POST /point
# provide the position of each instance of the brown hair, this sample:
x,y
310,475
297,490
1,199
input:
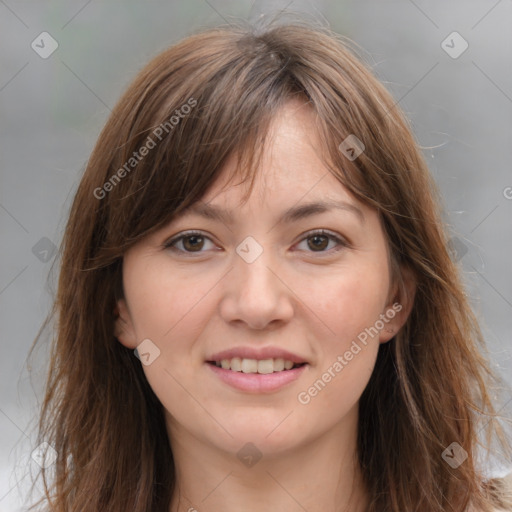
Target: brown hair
x,y
431,383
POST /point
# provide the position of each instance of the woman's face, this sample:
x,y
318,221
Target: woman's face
x,y
276,281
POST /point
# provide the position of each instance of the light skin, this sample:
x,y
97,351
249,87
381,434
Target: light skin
x,y
301,294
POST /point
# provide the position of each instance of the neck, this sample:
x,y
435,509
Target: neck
x,y
322,474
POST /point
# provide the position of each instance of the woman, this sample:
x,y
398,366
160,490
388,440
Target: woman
x,y
257,308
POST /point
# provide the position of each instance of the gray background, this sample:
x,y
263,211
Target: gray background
x,y
51,111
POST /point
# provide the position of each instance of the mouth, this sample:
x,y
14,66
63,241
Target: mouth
x,y
256,366
256,376
257,369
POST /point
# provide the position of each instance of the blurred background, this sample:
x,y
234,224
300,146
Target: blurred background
x,y
63,65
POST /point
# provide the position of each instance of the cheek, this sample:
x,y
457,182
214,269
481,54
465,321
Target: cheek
x,y
337,387
349,307
170,311
348,301
163,303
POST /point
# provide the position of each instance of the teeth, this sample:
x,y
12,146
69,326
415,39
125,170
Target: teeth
x,y
266,366
278,365
249,365
263,366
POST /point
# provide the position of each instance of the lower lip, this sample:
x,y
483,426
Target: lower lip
x,y
257,382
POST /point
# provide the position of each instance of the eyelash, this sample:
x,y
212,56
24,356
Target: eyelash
x,y
310,234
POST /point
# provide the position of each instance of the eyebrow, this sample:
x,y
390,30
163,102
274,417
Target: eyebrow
x,y
293,214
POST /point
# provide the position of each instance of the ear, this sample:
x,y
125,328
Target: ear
x,y
399,306
123,326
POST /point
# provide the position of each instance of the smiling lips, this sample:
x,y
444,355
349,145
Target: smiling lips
x,y
252,370
263,366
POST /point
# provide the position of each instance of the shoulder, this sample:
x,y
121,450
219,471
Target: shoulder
x,y
499,489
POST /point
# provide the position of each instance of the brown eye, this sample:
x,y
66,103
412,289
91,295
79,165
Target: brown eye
x,y
318,242
191,242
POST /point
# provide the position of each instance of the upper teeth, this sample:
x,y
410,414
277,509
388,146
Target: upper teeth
x,y
255,366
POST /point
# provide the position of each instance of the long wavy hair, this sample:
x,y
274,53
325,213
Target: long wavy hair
x,y
432,384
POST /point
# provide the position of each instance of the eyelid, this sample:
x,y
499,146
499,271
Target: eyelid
x,y
342,241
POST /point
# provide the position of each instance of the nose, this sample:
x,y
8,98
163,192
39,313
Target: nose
x,y
257,293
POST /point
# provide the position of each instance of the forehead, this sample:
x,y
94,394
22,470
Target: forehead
x,y
290,162
291,183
